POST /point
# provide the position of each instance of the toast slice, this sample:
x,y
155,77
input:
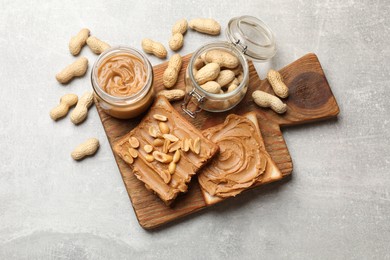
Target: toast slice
x,y
150,148
218,181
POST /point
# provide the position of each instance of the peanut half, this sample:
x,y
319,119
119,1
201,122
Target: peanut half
x,y
276,81
172,167
97,46
155,48
133,141
76,69
171,73
164,129
162,157
186,145
176,156
196,146
149,158
62,109
154,132
204,25
174,146
133,152
148,148
78,41
127,158
80,112
165,176
264,99
159,117
158,142
170,137
89,147
166,145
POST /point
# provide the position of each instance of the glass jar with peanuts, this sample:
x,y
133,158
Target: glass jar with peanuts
x,y
217,75
122,79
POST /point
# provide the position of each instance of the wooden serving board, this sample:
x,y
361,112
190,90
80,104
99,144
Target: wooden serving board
x,y
310,99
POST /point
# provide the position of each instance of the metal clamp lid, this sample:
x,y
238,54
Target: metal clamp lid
x,y
252,36
198,101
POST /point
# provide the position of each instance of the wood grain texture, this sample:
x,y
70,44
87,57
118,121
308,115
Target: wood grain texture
x,y
310,99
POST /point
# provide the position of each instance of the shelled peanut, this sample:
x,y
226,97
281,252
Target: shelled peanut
x,y
217,71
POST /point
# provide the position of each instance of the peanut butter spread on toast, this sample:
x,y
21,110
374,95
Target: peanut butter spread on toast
x,y
241,161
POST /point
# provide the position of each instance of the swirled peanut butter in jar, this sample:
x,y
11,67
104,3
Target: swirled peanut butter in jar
x,y
122,78
122,75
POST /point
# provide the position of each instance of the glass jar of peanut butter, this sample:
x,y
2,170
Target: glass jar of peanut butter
x,y
217,76
122,79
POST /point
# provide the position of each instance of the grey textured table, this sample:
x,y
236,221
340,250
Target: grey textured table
x,y
336,205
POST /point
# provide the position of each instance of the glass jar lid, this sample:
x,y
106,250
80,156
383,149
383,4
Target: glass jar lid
x,y
252,36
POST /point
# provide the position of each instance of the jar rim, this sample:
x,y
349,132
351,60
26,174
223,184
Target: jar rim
x,y
124,100
226,46
253,36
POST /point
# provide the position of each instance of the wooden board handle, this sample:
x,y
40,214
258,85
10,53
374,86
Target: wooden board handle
x,y
310,97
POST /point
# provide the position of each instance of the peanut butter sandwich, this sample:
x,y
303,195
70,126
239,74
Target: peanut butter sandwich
x,y
242,163
165,150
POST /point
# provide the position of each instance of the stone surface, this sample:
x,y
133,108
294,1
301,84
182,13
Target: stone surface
x,y
336,205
